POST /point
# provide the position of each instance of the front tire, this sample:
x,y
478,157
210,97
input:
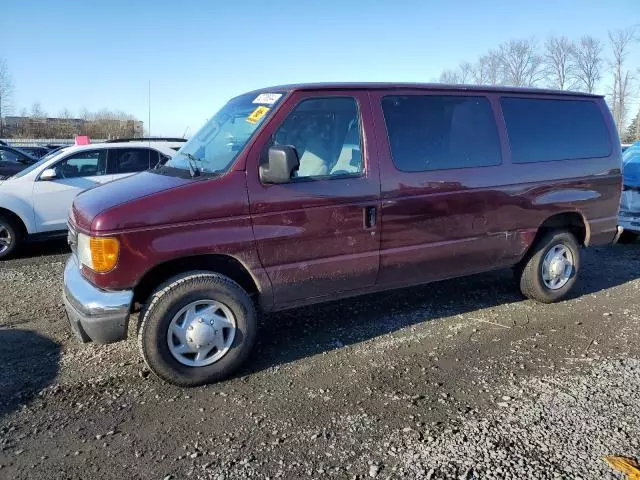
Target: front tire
x,y
197,328
10,238
551,270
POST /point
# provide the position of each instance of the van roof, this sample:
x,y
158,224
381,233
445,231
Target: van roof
x,y
420,86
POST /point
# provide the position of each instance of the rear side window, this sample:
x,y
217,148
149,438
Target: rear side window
x,y
547,130
131,160
428,132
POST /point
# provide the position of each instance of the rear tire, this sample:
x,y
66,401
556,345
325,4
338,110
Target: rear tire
x,y
10,237
157,336
543,260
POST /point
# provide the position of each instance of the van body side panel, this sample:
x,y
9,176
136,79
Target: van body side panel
x,y
446,223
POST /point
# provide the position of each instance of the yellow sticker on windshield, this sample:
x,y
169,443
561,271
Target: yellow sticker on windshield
x,y
257,114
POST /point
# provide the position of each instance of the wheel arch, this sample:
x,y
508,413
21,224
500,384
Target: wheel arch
x,y
218,263
19,221
572,221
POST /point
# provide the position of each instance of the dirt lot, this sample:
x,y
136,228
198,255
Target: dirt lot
x,y
460,379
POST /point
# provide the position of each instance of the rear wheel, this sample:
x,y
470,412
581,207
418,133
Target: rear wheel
x,y
198,328
550,271
10,237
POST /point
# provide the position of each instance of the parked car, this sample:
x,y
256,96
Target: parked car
x,y
624,146
36,152
302,194
34,203
13,160
630,200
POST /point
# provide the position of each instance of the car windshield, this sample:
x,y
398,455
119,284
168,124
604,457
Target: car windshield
x,y
214,148
44,159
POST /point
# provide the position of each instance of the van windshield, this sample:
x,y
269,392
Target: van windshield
x,y
214,148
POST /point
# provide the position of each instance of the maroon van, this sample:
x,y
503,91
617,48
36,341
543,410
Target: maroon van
x,y
301,194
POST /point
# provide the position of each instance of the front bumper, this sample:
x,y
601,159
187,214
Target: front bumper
x,y
95,315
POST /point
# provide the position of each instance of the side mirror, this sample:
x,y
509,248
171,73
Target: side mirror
x,y
48,174
283,160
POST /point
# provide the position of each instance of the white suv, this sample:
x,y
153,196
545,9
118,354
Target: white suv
x,y
34,203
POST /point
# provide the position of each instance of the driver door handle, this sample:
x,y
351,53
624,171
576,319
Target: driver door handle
x,y
369,217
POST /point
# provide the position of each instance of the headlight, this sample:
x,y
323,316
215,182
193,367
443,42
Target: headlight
x,y
100,254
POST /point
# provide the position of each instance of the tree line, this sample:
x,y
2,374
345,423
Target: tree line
x,y
36,122
563,64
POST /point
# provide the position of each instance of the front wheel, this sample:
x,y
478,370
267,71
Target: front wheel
x,y
9,238
198,328
550,271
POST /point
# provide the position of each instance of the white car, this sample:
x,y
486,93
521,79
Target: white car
x,y
34,203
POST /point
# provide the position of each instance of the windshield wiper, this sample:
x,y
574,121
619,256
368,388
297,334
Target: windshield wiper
x,y
193,164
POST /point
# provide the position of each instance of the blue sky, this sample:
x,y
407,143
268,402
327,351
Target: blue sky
x,y
198,54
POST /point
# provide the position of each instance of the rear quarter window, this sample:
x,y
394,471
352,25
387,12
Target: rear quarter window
x,y
545,130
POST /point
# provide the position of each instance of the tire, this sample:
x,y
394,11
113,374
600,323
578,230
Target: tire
x,y
9,230
164,307
530,275
628,237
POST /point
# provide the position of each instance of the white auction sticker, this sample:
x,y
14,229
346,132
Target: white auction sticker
x,y
267,98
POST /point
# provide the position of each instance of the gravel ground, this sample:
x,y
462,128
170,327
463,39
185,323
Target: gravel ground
x,y
460,379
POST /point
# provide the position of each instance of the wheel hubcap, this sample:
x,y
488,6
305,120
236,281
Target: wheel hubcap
x,y
5,239
557,267
201,333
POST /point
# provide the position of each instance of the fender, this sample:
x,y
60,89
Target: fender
x,y
20,207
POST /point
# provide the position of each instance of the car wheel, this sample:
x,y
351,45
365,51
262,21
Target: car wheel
x,y
550,271
10,238
198,328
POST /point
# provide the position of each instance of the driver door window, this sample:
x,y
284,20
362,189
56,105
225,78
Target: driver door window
x,y
326,135
90,163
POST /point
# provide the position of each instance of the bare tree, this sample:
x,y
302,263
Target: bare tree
x,y
37,111
621,41
6,93
450,76
66,127
465,72
558,65
65,113
521,66
486,70
587,63
108,124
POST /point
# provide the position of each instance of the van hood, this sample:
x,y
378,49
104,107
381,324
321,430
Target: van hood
x,y
90,203
150,200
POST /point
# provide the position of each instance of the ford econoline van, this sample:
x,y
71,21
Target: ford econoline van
x,y
300,194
